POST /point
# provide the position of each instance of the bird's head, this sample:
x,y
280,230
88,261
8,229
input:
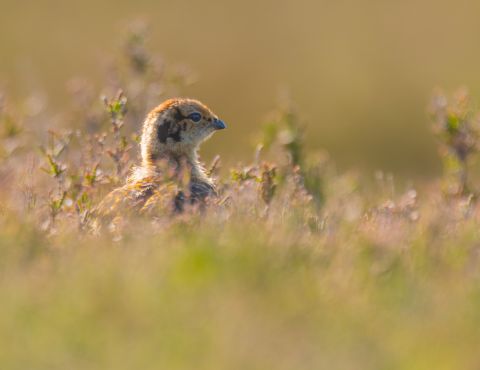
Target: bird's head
x,y
176,128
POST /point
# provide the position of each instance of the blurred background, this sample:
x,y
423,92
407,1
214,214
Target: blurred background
x,y
360,72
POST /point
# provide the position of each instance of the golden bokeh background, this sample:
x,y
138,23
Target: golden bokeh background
x,y
360,72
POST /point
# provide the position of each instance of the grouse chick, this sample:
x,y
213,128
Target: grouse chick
x,y
172,134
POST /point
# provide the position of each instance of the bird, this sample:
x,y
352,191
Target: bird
x,y
171,137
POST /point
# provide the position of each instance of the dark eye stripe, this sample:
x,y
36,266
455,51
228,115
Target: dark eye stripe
x,y
167,130
163,131
178,115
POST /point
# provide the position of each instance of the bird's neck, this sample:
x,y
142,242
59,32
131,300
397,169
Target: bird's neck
x,y
188,157
197,171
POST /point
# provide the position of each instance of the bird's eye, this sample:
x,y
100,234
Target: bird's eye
x,y
195,117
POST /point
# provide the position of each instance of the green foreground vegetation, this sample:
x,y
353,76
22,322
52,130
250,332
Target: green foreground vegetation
x,y
294,266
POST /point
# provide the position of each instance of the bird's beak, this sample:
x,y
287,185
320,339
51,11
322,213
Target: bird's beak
x,y
219,124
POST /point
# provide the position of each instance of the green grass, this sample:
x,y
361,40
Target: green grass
x,y
241,294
